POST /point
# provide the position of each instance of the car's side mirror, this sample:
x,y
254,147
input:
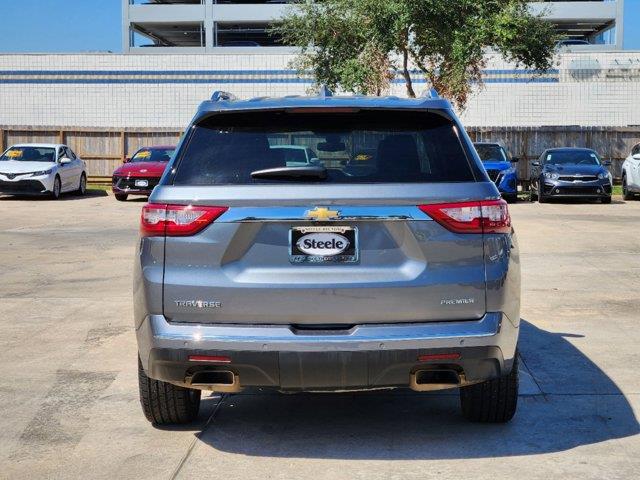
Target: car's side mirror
x,y
607,163
535,164
515,159
314,161
636,156
65,161
126,160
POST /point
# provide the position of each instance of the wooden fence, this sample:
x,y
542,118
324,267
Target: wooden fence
x,y
105,149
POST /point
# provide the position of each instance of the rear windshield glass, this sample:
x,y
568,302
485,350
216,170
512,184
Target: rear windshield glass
x,y
362,147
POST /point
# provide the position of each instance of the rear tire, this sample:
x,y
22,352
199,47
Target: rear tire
x,y
492,401
167,404
121,197
605,199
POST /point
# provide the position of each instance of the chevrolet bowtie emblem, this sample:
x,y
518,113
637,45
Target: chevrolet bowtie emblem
x,y
321,213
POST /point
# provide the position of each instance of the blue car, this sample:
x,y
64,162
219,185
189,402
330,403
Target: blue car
x,y
500,167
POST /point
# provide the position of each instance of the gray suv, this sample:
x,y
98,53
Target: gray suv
x,y
389,262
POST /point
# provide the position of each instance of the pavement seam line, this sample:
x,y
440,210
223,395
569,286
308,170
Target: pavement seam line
x,y
194,442
535,380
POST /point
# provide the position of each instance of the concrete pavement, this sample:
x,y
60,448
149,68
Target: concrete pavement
x,y
69,403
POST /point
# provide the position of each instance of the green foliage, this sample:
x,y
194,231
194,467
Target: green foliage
x,y
356,45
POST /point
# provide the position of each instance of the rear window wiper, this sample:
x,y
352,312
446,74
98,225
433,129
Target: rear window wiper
x,y
312,172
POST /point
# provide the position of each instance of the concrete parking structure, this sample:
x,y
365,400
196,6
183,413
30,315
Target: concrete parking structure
x,y
69,397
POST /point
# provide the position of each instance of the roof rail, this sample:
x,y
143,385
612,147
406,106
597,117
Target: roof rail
x,y
324,91
431,93
220,95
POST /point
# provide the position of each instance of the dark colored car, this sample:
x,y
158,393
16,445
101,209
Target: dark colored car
x,y
142,172
570,173
500,167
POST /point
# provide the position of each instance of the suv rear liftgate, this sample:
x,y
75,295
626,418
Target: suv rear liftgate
x,y
387,261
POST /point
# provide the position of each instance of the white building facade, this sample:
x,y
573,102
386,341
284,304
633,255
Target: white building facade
x,y
593,89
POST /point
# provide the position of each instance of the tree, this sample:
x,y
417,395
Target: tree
x,y
358,45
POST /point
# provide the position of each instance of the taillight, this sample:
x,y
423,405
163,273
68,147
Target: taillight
x,y
490,216
176,220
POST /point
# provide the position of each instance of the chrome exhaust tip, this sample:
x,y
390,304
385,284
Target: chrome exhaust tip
x,y
224,381
429,380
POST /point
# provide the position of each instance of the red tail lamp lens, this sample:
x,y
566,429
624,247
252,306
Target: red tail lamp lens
x,y
491,216
176,220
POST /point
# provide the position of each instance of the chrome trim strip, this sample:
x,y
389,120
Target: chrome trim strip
x,y
346,213
156,332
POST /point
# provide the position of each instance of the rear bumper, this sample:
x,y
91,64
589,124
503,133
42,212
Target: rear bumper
x,y
364,357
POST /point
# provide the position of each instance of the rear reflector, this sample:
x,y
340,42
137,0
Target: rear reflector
x,y
438,356
176,220
209,358
490,216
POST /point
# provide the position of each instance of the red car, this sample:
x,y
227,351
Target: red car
x,y
142,172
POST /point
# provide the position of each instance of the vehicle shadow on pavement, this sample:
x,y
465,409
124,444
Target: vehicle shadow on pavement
x,y
582,201
580,405
90,193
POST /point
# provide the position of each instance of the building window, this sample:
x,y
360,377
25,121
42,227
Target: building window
x,y
245,35
167,35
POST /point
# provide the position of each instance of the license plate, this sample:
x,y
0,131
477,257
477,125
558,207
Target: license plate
x,y
323,244
142,183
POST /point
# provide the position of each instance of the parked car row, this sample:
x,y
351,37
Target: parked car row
x,y
53,169
562,173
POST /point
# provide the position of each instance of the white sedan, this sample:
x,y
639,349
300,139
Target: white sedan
x,y
50,169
